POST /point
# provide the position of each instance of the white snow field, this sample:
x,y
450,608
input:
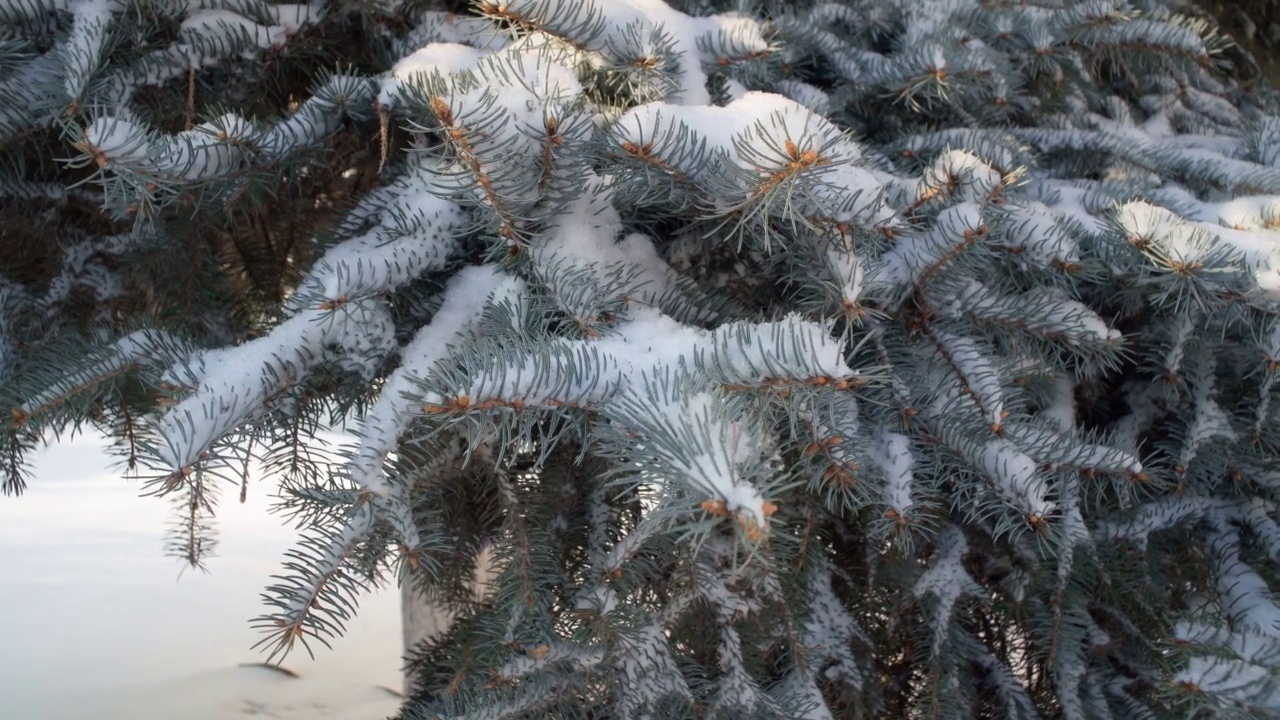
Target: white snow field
x,y
96,624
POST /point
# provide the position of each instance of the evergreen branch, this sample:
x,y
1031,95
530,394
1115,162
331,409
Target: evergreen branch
x,y
321,595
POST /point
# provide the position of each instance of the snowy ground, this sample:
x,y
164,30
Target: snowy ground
x,y
95,621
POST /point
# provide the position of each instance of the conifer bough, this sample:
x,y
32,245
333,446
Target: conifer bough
x,y
782,360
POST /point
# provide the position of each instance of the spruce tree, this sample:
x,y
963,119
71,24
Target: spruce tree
x,y
782,360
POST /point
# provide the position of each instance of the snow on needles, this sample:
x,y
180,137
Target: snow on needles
x,y
694,42
465,297
83,49
947,579
892,452
1016,477
336,317
435,58
741,353
1246,598
978,371
207,28
905,265
634,372
1040,235
1242,657
414,238
808,147
233,385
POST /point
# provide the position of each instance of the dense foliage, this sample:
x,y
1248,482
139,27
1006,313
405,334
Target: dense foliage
x,y
818,360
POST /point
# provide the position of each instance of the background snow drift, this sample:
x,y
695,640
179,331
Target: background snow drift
x,y
92,611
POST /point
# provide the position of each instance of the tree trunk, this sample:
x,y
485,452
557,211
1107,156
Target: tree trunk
x,y
422,619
